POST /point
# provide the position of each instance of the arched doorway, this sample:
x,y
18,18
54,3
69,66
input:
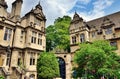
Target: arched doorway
x,y
32,76
62,67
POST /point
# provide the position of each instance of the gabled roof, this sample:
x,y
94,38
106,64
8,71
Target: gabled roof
x,y
37,12
111,19
76,17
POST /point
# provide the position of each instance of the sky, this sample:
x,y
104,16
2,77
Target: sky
x,y
87,9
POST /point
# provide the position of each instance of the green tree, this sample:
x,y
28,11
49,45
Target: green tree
x,y
57,35
97,59
1,77
47,66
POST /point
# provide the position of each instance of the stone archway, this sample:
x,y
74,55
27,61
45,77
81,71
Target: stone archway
x,y
32,76
62,67
66,61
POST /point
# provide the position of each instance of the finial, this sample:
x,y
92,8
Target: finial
x,y
75,11
39,2
32,9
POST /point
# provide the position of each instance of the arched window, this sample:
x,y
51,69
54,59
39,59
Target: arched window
x,y
32,76
62,67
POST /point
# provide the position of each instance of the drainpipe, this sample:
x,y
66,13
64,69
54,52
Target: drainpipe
x,y
12,45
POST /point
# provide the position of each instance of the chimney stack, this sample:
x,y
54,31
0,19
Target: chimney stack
x,y
16,10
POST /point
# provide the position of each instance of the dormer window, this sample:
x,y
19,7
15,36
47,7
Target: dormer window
x,y
108,30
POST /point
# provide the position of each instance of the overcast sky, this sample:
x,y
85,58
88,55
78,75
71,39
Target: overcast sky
x,y
88,9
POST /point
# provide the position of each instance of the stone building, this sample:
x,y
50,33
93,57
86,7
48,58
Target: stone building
x,y
104,28
21,40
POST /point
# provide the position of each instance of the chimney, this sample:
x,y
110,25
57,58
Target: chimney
x,y
3,8
16,10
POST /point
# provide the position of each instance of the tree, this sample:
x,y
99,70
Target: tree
x,y
47,66
57,35
1,77
97,59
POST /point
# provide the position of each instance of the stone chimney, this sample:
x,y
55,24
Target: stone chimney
x,y
16,10
3,8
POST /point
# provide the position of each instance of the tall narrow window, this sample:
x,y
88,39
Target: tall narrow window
x,y
73,39
8,59
82,38
20,58
39,39
93,34
21,36
22,33
7,34
108,31
32,58
33,38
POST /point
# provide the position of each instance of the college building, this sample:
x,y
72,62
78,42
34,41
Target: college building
x,y
104,28
22,39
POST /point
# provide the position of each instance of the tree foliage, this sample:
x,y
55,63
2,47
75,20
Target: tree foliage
x,y
1,77
57,35
96,60
47,66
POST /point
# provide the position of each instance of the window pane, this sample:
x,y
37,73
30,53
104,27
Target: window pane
x,y
31,39
33,61
82,38
39,41
30,61
93,34
19,61
74,39
108,31
7,34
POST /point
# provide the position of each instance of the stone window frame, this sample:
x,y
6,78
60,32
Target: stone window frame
x,y
20,58
108,31
34,37
8,59
74,40
39,39
21,35
7,34
32,58
82,37
93,34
